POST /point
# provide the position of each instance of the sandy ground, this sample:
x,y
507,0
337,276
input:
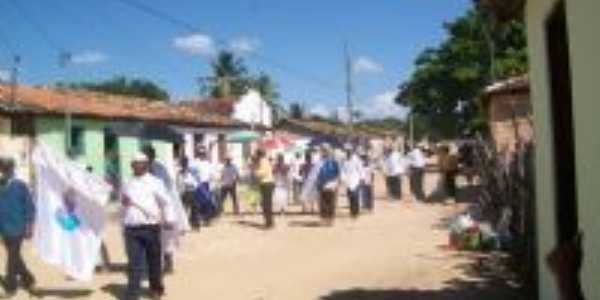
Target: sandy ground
x,y
397,252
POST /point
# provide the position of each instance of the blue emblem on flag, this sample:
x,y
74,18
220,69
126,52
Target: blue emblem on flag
x,y
65,216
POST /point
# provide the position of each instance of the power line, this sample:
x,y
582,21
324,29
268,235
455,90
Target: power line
x,y
191,28
36,26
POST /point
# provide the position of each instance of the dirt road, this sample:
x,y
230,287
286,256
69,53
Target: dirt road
x,y
397,252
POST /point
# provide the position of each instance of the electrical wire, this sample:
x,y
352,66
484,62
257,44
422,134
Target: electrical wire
x,y
191,28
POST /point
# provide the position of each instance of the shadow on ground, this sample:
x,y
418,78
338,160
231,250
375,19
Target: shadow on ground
x,y
484,277
61,293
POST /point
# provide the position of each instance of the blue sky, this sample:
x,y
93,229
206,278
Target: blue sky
x,y
299,43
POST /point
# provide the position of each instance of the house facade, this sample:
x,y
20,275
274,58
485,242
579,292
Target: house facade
x,y
102,132
563,50
507,105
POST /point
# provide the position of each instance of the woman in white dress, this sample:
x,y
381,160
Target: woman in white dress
x,y
281,172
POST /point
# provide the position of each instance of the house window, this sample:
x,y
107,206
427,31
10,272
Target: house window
x,y
77,147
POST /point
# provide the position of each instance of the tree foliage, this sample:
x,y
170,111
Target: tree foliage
x,y
448,78
297,111
231,78
121,85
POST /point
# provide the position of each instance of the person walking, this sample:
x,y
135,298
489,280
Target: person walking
x,y
204,172
170,237
368,178
352,172
308,195
229,180
297,178
264,174
281,194
17,213
417,163
393,168
146,209
449,167
327,185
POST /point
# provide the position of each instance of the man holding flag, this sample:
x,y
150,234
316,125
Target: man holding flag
x,y
146,210
16,222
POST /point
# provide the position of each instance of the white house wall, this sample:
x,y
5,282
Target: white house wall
x,y
537,12
583,21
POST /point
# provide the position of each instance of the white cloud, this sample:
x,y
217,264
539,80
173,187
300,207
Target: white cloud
x,y
244,45
88,58
365,64
383,105
4,75
196,44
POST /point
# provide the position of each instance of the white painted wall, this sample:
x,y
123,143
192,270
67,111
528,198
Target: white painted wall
x,y
536,14
582,16
253,109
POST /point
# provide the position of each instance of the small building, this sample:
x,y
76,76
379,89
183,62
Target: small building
x,y
250,109
508,108
105,130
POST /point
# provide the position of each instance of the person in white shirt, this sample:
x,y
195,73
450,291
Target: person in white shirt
x,y
352,171
368,177
394,167
229,179
296,173
146,209
204,172
417,169
172,236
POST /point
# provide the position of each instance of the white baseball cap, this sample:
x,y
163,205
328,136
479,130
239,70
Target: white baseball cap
x,y
140,157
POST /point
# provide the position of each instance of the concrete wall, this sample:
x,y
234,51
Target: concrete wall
x,y
536,14
51,131
128,147
583,24
510,120
582,16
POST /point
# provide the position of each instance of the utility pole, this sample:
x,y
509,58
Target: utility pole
x,y
349,88
64,59
14,77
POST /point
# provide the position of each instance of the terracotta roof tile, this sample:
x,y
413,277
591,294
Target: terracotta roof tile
x,y
105,106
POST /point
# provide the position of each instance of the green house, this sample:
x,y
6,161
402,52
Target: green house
x,y
101,132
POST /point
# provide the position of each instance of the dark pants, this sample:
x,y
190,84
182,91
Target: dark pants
x,y
416,183
15,266
266,192
143,247
230,191
327,203
450,178
394,187
367,196
353,200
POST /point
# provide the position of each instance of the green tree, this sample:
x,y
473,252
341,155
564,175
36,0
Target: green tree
x,y
447,79
266,87
297,111
121,85
230,76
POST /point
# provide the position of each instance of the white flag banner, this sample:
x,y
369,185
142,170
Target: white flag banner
x,y
70,215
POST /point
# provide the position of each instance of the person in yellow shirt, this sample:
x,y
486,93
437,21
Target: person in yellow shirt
x,y
264,174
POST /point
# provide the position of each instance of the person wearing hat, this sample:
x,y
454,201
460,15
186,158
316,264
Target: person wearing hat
x,y
368,178
327,184
17,213
146,210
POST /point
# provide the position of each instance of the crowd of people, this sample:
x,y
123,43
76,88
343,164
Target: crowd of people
x,y
157,208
